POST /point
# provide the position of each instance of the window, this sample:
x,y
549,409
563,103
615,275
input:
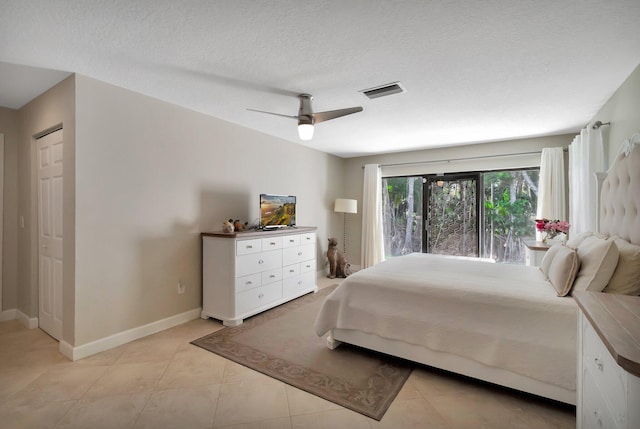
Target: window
x,y
486,214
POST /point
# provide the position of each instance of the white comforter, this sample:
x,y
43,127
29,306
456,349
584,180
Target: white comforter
x,y
504,316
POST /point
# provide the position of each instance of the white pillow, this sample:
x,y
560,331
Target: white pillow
x,y
626,277
598,259
563,270
574,242
548,257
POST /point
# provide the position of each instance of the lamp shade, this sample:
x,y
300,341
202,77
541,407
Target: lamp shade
x,y
344,205
305,131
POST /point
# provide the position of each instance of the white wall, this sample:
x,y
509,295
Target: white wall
x,y
623,111
150,176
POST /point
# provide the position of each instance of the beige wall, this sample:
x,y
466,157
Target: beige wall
x,y
623,111
150,177
9,127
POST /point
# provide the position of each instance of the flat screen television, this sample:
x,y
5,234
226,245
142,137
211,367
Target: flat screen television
x,y
277,211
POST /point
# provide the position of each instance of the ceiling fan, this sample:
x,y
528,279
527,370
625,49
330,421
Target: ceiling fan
x,y
307,118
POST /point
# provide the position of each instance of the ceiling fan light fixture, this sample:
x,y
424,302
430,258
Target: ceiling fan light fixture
x,y
305,131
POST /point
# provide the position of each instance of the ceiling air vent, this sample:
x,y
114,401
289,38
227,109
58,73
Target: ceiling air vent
x,y
383,90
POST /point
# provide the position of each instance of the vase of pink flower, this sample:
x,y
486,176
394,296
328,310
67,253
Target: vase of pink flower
x,y
550,229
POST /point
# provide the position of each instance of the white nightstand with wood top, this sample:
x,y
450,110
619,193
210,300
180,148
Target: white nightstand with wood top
x,y
608,379
534,252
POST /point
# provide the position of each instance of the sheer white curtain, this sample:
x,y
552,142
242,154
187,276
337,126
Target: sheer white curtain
x,y
372,235
552,201
586,157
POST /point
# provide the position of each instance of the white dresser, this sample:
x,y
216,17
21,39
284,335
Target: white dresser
x,y
608,361
244,273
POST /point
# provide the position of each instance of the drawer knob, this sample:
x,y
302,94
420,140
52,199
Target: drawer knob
x,y
308,266
300,282
261,296
291,241
598,363
249,246
248,282
272,243
261,261
272,276
597,415
299,253
292,271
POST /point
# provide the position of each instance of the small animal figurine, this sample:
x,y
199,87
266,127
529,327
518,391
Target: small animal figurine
x,y
227,226
338,265
239,226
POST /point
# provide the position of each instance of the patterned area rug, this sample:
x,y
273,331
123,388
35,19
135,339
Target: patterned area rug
x,y
282,344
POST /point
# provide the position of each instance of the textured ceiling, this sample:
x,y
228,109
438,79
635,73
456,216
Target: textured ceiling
x,y
474,71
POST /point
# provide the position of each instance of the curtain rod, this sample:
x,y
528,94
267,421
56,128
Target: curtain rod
x,y
463,159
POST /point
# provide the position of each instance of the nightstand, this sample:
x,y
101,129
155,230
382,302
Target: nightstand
x,y
534,252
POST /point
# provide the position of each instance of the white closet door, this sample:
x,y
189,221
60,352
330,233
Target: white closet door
x,y
49,159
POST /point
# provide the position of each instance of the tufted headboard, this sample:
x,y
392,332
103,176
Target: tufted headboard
x,y
620,194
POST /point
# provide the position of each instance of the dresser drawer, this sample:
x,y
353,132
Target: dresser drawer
x,y
309,265
595,414
290,271
299,254
245,247
291,241
271,243
271,276
298,284
258,262
248,282
255,298
309,238
607,375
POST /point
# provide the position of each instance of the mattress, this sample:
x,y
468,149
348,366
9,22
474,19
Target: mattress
x,y
500,315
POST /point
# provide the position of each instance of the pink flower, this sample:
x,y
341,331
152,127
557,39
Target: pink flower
x,y
552,227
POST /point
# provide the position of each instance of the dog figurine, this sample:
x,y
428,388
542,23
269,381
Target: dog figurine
x,y
227,227
338,265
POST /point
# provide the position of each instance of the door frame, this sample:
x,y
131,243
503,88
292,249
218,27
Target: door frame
x,y
33,322
1,219
430,178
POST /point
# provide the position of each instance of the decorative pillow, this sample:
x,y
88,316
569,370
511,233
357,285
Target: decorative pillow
x,y
548,257
574,242
598,259
563,270
626,277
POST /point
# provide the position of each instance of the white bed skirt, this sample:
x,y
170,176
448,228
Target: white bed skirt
x,y
452,363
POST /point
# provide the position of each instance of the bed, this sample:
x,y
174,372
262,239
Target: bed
x,y
510,325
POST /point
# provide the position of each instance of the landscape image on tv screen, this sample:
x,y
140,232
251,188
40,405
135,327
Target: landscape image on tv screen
x,y
277,210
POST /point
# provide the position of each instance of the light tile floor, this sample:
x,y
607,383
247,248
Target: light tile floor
x,y
162,381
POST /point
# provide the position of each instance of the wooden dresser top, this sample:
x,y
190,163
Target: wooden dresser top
x,y
257,233
616,319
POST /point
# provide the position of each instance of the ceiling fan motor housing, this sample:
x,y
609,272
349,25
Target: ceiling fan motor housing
x,y
305,114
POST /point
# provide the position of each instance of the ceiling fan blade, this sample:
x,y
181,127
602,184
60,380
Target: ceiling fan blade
x,y
332,114
276,114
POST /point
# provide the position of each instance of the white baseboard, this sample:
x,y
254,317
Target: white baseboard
x,y
8,315
29,322
115,340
